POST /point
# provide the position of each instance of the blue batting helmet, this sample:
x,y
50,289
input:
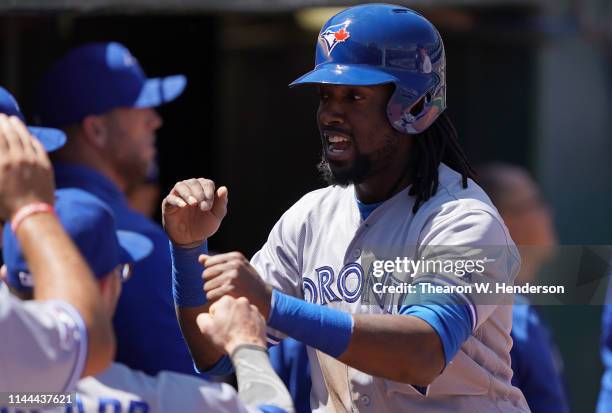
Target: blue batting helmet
x,y
374,44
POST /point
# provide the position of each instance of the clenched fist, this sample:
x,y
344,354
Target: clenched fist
x,y
232,274
231,322
193,211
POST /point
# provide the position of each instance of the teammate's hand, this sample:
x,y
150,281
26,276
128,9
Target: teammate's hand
x,y
232,274
26,175
231,322
193,211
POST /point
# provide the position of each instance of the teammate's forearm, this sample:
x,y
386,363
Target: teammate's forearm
x,y
258,383
203,352
61,273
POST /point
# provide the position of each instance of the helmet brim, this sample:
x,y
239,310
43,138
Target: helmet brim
x,y
361,75
342,74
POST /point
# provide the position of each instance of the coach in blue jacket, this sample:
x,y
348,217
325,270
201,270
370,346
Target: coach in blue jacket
x,y
99,95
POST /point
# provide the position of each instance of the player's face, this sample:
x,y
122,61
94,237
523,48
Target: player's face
x,y
358,141
131,138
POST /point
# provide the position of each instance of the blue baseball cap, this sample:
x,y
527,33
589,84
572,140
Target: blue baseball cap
x,y
91,225
95,78
51,139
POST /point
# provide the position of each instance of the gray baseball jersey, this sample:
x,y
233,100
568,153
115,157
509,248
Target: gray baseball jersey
x,y
322,251
120,389
44,345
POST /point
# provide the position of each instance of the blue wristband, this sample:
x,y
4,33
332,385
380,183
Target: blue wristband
x,y
323,328
187,282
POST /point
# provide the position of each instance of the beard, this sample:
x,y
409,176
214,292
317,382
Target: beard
x,y
355,173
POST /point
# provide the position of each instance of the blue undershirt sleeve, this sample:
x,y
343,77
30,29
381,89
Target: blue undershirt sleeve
x,y
448,315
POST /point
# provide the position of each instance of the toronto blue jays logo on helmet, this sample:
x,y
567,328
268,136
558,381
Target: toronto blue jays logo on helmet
x,y
334,35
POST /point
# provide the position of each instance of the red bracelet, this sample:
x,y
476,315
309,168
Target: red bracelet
x,y
30,210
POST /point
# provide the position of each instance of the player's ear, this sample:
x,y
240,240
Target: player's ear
x,y
110,289
106,286
95,130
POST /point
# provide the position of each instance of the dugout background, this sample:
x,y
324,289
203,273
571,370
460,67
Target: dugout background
x,y
528,82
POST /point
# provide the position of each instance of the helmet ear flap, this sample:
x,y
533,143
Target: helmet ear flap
x,y
410,116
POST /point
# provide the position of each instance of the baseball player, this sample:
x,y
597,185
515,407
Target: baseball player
x,y
233,324
49,343
100,96
401,187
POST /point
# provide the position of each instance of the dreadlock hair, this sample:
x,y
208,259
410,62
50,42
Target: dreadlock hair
x,y
439,143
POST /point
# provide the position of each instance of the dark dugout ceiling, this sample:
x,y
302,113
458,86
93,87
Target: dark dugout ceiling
x,y
174,6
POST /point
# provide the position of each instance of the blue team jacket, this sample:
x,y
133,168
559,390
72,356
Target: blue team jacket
x,y
535,361
148,335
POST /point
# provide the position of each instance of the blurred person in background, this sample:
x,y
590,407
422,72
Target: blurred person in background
x,y
536,362
47,344
145,198
100,96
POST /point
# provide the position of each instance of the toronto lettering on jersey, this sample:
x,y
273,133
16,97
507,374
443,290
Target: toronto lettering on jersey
x,y
348,285
351,284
